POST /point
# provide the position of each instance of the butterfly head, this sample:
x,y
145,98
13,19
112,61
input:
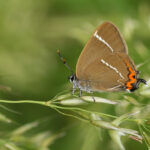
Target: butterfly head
x,y
72,78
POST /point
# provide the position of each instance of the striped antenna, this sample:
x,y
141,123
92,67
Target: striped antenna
x,y
64,61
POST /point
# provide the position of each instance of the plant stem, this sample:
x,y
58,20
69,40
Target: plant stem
x,y
23,101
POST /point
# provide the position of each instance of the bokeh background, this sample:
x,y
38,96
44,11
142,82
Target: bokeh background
x,y
30,33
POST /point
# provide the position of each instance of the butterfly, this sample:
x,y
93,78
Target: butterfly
x,y
104,63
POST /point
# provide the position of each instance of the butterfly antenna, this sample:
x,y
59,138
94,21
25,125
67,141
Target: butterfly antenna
x,y
64,61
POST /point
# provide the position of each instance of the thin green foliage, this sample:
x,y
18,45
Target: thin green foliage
x,y
100,120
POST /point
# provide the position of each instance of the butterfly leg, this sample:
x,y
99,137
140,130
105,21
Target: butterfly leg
x,y
73,89
80,93
93,99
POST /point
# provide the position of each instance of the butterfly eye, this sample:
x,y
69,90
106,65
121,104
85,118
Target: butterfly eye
x,y
72,78
134,76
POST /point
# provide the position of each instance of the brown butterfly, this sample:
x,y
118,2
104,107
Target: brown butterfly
x,y
104,64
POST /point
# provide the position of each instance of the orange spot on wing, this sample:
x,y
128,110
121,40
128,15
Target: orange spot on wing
x,y
132,78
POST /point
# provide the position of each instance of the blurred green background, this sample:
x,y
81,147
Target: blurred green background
x,y
30,33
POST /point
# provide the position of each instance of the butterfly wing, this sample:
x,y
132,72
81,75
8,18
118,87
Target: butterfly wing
x,y
110,33
102,61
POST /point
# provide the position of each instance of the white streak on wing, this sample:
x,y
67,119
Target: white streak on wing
x,y
102,40
110,66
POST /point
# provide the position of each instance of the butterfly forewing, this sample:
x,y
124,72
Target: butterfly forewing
x,y
101,61
110,33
